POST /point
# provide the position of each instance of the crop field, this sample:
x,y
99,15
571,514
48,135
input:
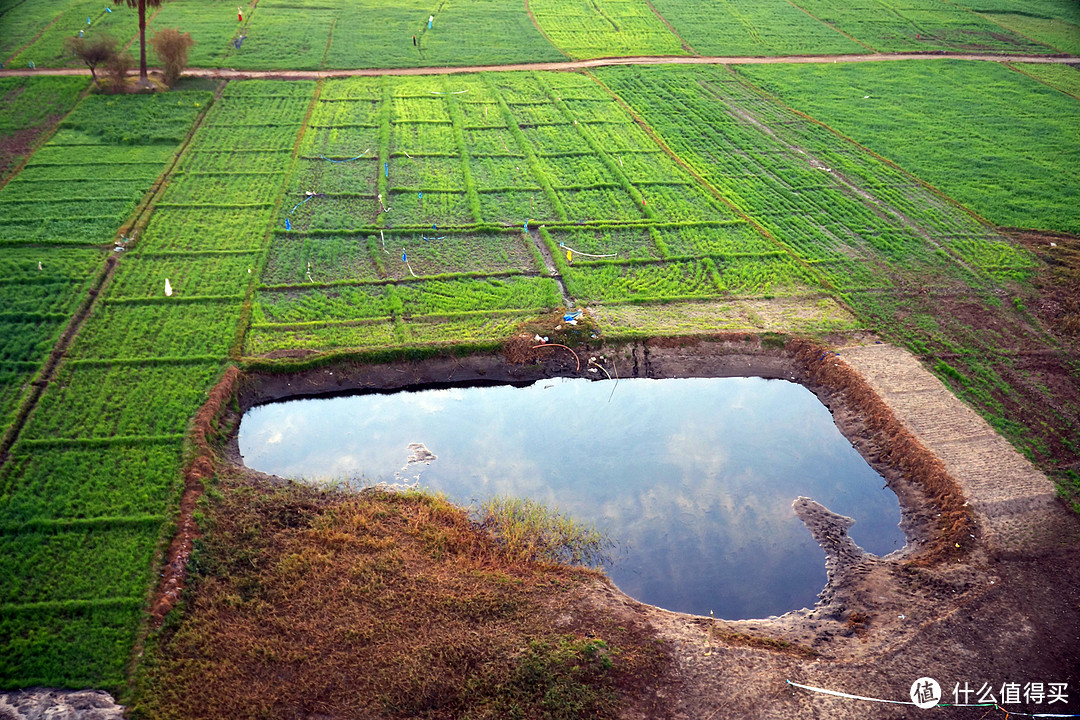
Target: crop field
x,y
862,228
989,136
604,28
115,415
32,106
1051,22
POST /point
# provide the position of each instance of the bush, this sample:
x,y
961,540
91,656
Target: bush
x,y
119,65
171,47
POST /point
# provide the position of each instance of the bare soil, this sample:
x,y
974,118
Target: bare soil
x,y
987,591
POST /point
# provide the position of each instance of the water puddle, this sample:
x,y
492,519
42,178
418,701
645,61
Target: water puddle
x,y
692,478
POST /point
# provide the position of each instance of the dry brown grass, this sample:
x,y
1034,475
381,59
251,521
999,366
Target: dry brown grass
x,y
311,604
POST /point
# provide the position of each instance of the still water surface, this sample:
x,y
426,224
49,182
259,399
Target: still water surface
x,y
692,478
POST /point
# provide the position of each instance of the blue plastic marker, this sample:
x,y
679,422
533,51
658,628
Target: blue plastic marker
x,y
87,19
419,194
108,9
434,226
526,226
404,258
386,169
288,225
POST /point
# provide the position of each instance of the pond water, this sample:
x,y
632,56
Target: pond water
x,y
693,479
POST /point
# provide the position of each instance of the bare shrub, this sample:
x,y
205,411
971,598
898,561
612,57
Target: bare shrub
x,y
118,66
92,51
171,47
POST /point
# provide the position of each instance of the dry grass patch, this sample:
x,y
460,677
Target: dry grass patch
x,y
306,603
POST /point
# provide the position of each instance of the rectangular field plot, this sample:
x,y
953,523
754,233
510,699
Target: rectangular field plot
x,y
468,328
459,253
501,173
66,20
676,203
143,275
88,401
287,110
77,230
514,207
227,161
611,204
74,264
324,304
603,28
576,171
359,177
481,114
158,329
538,113
326,337
204,189
362,89
733,238
269,88
427,173
623,243
255,137
36,298
430,109
83,646
82,482
327,258
212,29
766,27
26,341
795,314
99,563
345,113
493,142
285,37
434,208
654,281
439,297
764,275
327,213
554,139
423,139
200,229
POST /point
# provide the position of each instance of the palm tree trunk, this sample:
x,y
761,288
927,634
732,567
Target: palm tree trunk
x,y
142,44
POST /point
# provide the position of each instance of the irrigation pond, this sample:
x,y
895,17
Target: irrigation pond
x,y
692,479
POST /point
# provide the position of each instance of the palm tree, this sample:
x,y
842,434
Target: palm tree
x,y
141,5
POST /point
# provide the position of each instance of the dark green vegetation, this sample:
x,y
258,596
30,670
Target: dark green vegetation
x,y
32,106
416,611
986,135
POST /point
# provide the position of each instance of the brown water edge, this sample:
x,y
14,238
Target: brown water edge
x,y
874,614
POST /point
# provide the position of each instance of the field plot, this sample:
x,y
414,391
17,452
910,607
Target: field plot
x,y
95,472
1052,22
32,106
1065,78
990,137
38,29
605,28
918,25
920,270
768,27
481,178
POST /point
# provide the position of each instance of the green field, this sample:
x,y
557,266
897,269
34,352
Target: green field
x,y
969,128
302,221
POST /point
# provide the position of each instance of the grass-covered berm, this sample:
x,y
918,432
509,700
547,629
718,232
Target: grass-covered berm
x,y
313,603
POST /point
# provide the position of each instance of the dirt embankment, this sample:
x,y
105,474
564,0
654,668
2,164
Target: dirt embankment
x,y
968,601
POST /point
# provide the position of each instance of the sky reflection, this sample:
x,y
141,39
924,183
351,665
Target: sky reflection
x,y
692,478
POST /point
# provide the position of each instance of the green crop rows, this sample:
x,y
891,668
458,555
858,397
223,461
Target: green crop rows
x,y
980,138
96,469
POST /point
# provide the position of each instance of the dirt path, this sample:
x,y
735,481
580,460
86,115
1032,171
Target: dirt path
x,y
231,73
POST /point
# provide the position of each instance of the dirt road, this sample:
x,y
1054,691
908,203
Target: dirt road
x,y
232,73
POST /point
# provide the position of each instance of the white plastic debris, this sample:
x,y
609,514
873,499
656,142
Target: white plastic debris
x,y
168,288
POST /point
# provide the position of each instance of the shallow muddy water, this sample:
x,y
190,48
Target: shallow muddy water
x,y
693,479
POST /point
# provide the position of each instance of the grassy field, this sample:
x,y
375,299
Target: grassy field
x,y
407,214
969,128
